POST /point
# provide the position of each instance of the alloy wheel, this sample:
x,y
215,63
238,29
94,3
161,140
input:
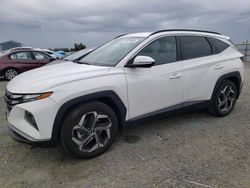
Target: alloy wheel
x,y
226,99
92,131
10,74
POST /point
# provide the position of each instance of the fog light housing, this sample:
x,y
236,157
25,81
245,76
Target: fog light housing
x,y
30,119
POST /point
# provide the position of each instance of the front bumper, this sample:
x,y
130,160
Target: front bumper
x,y
21,136
43,111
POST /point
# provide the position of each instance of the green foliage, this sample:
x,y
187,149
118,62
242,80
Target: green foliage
x,y
77,47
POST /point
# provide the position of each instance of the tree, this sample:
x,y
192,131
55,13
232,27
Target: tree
x,y
79,46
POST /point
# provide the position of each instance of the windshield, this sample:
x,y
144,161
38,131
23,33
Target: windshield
x,y
78,54
112,52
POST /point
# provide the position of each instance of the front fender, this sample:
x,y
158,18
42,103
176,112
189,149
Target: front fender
x,y
103,96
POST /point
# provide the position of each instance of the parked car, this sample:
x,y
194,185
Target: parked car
x,y
132,77
60,54
51,53
78,55
18,60
56,54
75,57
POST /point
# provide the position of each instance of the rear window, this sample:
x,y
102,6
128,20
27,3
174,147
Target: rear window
x,y
194,47
218,45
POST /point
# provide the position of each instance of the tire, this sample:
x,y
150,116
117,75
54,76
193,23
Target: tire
x,y
10,73
224,99
82,137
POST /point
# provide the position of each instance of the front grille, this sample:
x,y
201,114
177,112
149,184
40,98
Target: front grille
x,y
12,100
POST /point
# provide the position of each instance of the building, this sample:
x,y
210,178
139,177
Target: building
x,y
9,44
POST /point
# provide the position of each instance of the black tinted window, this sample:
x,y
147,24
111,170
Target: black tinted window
x,y
218,45
194,47
162,50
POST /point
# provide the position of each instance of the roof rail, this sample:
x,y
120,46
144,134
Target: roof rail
x,y
168,30
120,36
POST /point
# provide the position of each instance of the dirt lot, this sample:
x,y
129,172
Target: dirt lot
x,y
188,150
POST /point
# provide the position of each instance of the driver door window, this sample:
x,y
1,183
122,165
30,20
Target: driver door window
x,y
40,56
162,50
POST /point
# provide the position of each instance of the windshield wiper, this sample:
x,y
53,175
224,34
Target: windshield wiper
x,y
86,63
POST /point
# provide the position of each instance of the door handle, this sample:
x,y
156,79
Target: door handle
x,y
175,76
218,67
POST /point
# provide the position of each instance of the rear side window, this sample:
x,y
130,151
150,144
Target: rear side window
x,y
194,47
218,45
21,56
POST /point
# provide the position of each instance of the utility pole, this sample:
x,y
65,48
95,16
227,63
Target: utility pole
x,y
246,50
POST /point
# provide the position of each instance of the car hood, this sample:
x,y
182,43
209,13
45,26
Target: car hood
x,y
44,78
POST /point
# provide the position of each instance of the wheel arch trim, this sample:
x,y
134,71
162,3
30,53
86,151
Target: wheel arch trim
x,y
119,108
235,74
6,68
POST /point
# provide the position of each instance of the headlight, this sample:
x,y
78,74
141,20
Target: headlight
x,y
33,97
13,99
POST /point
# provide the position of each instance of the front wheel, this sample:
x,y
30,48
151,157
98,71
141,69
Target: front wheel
x,y
224,99
89,130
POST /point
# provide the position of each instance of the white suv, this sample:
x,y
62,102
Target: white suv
x,y
133,76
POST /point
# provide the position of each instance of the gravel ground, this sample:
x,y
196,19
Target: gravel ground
x,y
186,150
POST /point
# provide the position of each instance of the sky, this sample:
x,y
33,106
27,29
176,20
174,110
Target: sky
x,y
61,23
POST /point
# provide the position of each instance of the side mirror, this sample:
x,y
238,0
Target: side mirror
x,y
142,61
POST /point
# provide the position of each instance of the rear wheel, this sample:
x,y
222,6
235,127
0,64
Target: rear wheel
x,y
224,99
89,130
10,73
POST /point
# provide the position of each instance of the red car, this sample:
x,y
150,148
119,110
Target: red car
x,y
15,61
